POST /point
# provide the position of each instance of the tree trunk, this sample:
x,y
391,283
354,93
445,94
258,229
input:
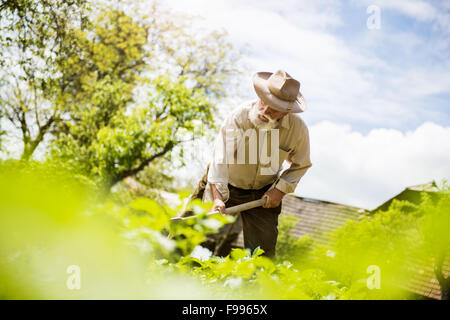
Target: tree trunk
x,y
444,282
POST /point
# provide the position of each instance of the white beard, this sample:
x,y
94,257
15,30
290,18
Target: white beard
x,y
258,123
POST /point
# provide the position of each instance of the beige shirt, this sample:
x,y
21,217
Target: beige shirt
x,y
265,151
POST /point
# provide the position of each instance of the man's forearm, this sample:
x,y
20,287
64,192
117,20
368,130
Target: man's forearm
x,y
290,177
216,193
218,205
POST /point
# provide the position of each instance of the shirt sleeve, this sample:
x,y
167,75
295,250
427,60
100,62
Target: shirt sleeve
x,y
224,147
299,161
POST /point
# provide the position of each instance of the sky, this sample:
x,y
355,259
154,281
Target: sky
x,y
375,75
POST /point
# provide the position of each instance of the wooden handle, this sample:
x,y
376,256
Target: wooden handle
x,y
235,209
245,206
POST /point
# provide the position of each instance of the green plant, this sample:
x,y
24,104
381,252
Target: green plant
x,y
290,247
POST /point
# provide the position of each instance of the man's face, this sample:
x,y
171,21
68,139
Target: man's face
x,y
264,117
267,112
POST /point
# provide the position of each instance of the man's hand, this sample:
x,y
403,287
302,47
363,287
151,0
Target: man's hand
x,y
218,205
274,197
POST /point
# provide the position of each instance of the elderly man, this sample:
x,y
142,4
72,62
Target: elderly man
x,y
241,170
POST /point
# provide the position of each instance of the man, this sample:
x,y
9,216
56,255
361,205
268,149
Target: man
x,y
240,171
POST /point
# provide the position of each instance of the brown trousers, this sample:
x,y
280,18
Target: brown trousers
x,y
260,225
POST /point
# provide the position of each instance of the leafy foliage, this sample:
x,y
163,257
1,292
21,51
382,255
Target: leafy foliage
x,y
92,234
111,88
63,222
393,240
34,36
289,247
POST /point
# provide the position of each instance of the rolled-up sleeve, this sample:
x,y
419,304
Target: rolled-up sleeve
x,y
299,161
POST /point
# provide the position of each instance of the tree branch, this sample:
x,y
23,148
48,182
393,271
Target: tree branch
x,y
127,173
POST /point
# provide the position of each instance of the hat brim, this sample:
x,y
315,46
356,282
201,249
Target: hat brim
x,y
263,92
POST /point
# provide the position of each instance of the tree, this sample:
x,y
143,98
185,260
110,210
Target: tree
x,y
86,80
33,35
111,133
2,132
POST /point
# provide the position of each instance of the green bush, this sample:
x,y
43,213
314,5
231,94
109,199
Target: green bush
x,y
51,219
289,247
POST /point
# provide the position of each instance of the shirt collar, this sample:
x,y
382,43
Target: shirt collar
x,y
285,121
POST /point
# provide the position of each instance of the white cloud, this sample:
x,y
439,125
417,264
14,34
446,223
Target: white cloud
x,y
366,170
417,9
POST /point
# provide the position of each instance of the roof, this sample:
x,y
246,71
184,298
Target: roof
x,y
412,194
318,218
423,280
429,187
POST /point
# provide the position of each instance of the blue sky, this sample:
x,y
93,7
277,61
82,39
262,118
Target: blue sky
x,y
379,111
394,77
